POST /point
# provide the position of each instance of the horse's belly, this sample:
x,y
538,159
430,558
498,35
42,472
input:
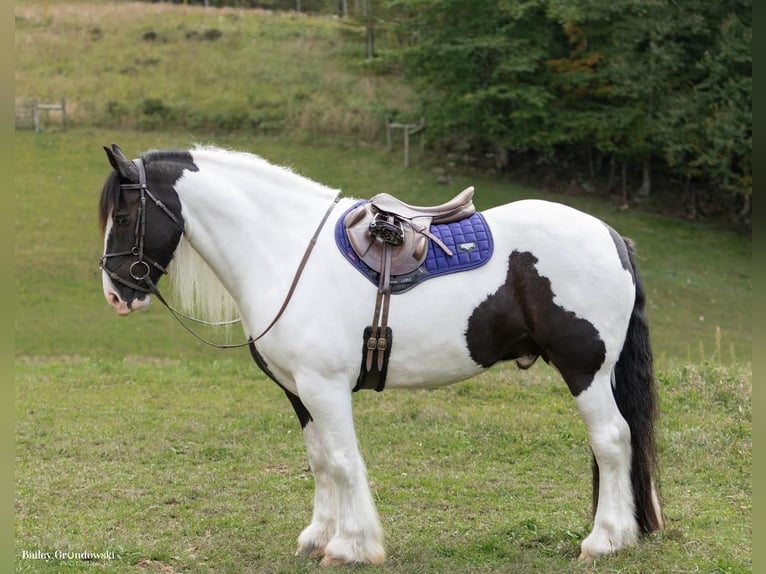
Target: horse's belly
x,y
429,328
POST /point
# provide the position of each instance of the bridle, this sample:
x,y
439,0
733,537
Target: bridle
x,y
141,268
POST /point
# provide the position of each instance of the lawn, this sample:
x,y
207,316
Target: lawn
x,y
199,467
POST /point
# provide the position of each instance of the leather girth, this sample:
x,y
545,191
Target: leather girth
x,y
378,337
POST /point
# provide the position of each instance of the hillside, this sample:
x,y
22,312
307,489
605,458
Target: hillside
x,y
156,66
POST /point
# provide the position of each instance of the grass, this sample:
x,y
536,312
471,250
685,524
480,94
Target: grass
x,y
149,66
199,467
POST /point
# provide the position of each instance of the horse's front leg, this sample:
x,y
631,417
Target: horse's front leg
x,y
343,497
315,537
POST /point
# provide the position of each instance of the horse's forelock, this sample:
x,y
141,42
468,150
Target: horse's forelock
x,y
108,199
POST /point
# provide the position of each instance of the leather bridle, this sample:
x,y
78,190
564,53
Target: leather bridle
x,y
141,267
141,274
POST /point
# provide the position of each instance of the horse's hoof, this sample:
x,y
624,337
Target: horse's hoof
x,y
310,552
585,558
332,561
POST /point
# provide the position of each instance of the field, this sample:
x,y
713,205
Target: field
x,y
132,439
152,65
179,466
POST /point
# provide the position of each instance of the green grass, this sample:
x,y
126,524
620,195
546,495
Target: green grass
x,y
133,438
265,73
200,467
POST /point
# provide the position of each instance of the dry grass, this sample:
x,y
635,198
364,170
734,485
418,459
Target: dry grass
x,y
266,72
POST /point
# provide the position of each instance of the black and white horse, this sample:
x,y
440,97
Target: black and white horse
x,y
560,284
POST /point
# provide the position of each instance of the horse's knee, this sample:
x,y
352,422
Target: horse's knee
x,y
345,468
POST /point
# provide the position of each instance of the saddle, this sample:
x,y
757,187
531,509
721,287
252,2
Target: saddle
x,y
392,237
387,223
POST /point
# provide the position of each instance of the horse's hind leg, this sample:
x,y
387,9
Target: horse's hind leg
x,y
343,492
614,523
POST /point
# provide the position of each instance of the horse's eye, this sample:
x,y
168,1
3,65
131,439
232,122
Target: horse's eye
x,y
121,218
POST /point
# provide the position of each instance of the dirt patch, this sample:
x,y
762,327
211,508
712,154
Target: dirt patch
x,y
156,566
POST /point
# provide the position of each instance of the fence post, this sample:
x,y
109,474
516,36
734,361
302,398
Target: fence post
x,y
406,147
36,115
408,130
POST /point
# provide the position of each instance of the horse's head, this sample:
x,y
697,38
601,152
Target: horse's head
x,y
140,216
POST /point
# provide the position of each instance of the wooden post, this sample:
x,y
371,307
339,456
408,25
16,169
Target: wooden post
x,y
408,130
370,29
406,147
36,115
36,107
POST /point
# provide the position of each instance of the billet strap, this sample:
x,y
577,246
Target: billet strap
x,y
378,336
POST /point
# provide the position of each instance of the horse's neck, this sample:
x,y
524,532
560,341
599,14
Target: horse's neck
x,y
251,222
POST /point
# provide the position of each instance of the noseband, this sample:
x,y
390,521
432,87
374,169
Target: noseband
x,y
140,268
149,287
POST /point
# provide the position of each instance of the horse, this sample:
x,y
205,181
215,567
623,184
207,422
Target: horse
x,y
238,234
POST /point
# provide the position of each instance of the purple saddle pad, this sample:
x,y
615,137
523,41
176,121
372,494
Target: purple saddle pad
x,y
470,241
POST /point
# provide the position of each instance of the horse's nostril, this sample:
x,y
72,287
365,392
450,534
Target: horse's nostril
x,y
114,298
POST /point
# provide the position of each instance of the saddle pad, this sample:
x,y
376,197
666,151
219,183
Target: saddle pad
x,y
470,241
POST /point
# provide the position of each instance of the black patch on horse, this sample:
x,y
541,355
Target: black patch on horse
x,y
161,236
304,416
521,321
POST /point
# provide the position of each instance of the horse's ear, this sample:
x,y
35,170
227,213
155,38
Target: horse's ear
x,y
119,162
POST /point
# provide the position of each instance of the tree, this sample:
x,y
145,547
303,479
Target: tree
x,y
654,84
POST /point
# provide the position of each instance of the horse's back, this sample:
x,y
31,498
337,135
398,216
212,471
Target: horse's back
x,y
561,236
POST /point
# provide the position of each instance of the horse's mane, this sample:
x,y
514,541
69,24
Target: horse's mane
x,y
196,288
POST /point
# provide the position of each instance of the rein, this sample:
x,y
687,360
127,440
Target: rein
x,y
151,288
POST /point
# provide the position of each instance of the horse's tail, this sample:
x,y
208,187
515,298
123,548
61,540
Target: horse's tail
x,y
636,397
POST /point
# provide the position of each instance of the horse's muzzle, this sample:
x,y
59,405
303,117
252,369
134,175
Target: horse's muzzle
x,y
121,306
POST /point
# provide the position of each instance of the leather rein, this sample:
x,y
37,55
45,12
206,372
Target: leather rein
x,y
141,267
